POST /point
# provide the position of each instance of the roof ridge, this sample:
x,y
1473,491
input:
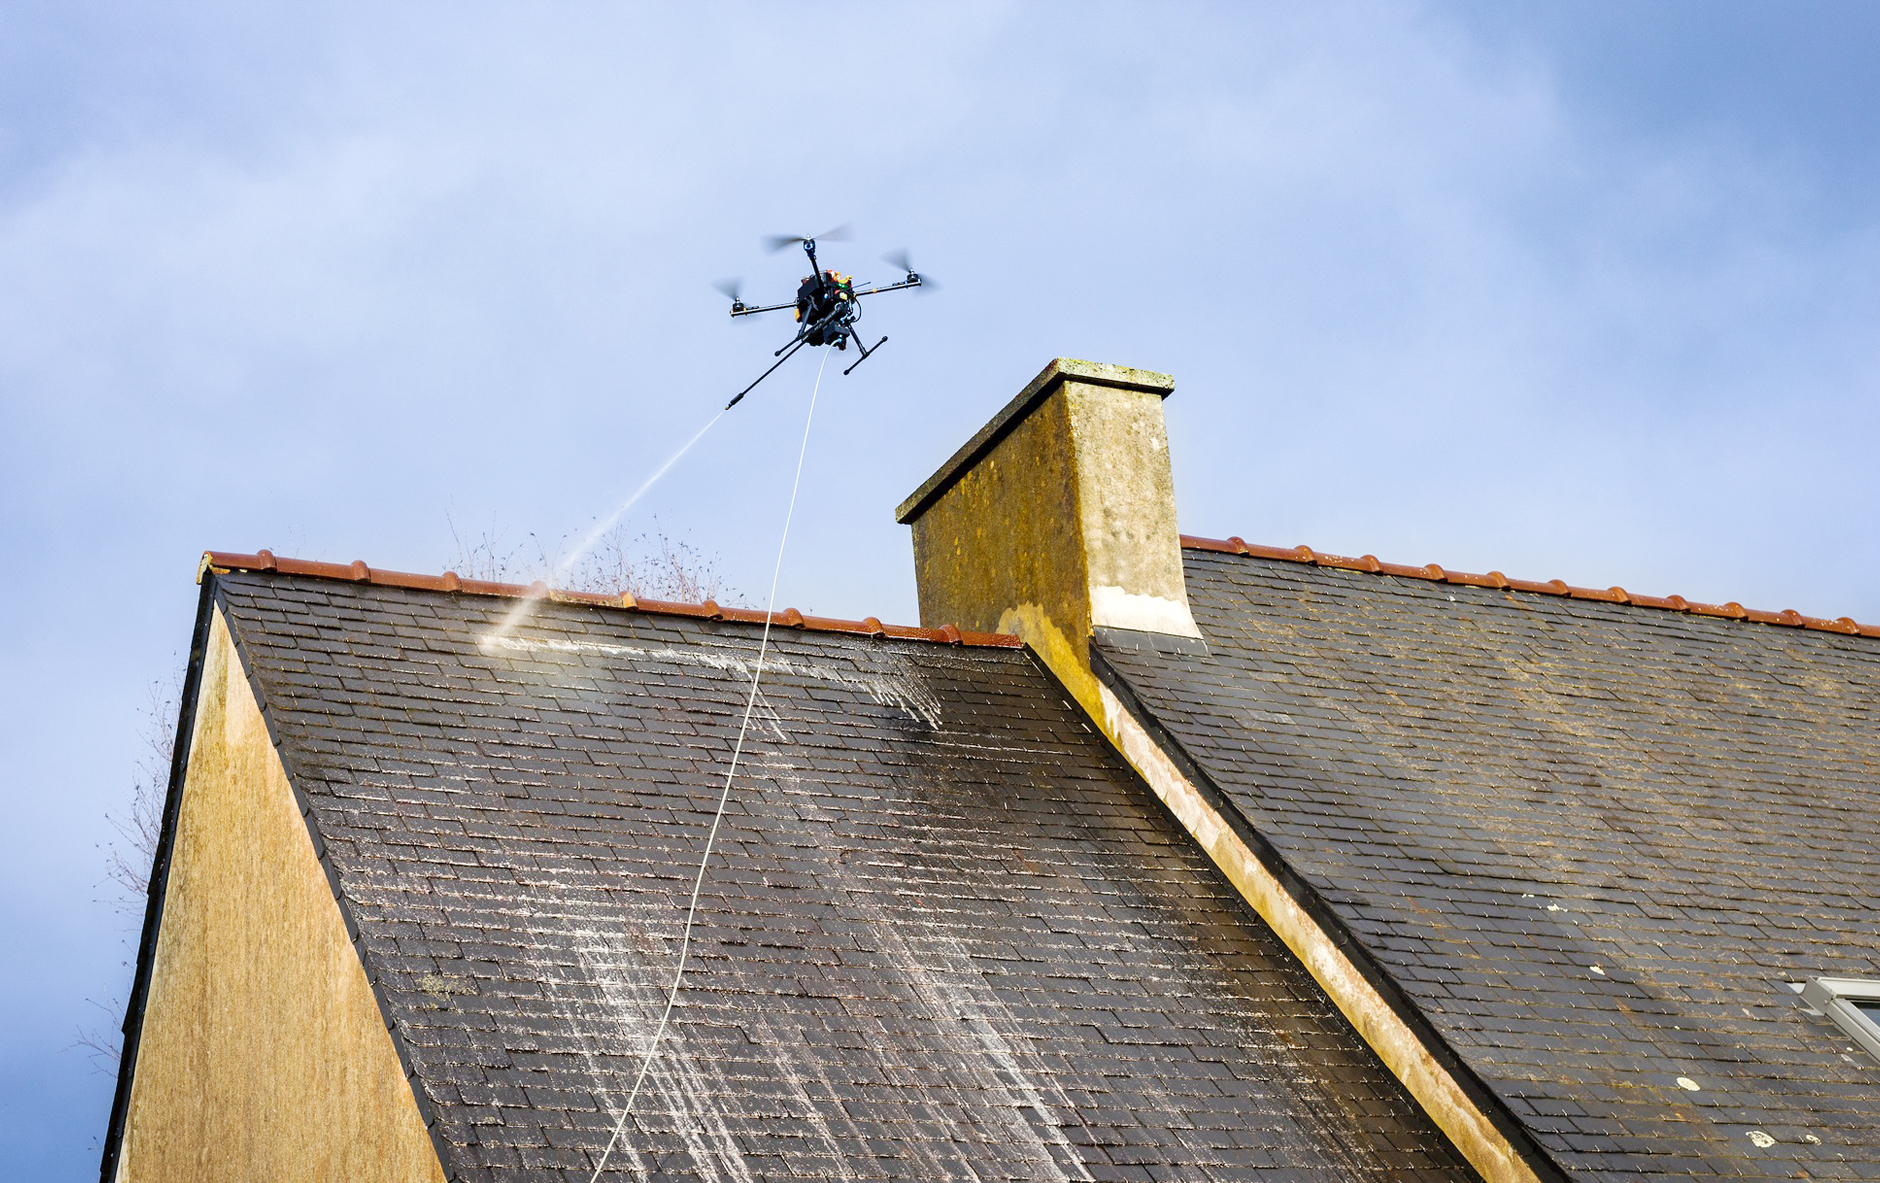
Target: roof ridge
x,y
1553,587
358,572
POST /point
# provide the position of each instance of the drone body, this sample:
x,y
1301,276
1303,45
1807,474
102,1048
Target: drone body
x,y
827,305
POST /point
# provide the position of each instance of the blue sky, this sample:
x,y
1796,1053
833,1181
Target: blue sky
x,y
1568,290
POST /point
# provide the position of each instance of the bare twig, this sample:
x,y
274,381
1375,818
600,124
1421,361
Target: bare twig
x,y
101,1047
129,858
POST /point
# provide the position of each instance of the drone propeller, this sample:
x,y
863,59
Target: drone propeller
x,y
731,287
776,242
900,260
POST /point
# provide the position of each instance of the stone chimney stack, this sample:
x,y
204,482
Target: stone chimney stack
x,y
1057,520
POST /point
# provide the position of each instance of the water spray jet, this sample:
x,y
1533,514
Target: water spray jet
x,y
525,607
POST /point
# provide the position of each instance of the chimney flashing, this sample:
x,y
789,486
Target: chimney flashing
x,y
1167,644
1015,413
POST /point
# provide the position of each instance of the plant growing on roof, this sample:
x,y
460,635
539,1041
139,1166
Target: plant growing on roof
x,y
653,565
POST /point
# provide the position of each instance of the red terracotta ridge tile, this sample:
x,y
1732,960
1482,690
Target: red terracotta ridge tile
x,y
1614,596
1492,579
1226,546
1788,617
1341,561
450,581
1400,569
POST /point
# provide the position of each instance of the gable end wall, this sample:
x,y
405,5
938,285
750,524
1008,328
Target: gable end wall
x,y
260,1049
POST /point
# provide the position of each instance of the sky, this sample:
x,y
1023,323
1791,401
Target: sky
x,y
1574,290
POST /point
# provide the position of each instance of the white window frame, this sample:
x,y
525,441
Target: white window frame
x,y
1832,997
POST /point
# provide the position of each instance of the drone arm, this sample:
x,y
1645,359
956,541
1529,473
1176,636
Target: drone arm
x,y
766,308
893,287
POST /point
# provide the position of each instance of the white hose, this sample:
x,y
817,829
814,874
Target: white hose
x,y
737,751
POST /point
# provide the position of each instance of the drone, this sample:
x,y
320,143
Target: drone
x,y
827,304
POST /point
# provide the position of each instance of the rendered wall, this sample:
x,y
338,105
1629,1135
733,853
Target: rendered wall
x,y
1060,522
263,1054
1001,551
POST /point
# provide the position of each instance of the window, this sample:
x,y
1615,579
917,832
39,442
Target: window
x,y
1852,1003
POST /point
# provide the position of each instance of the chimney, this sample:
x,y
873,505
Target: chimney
x,y
1057,521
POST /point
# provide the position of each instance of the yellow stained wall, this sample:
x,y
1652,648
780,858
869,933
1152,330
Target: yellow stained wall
x,y
263,1055
1014,513
1063,524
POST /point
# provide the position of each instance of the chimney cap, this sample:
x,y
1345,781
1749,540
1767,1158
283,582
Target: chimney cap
x,y
1095,373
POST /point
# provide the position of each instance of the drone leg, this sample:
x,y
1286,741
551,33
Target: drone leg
x,y
793,347
796,340
866,352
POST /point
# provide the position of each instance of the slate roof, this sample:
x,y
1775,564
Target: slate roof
x,y
1589,841
948,933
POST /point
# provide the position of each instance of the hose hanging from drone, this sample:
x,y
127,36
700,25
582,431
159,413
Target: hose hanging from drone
x,y
724,795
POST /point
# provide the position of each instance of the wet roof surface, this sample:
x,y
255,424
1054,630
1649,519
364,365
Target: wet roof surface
x,y
1590,841
947,934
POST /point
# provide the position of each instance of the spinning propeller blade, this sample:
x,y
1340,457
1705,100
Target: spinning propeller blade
x,y
776,242
900,260
731,287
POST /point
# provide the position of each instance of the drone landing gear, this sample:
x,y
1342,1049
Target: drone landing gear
x,y
866,352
